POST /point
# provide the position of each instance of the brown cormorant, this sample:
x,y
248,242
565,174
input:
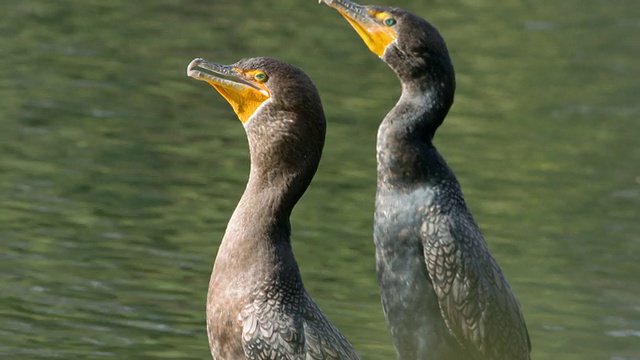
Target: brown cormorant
x,y
257,306
443,294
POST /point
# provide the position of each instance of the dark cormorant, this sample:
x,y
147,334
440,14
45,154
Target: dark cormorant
x,y
443,294
257,306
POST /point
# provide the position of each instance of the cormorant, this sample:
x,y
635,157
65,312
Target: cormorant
x,y
443,294
257,306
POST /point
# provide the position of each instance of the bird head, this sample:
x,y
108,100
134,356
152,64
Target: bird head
x,y
278,105
406,42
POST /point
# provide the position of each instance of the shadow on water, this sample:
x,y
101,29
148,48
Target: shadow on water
x,y
118,173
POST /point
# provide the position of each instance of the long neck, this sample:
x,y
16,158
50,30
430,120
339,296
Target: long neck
x,y
405,152
258,226
257,240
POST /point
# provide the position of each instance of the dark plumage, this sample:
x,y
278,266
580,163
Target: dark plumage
x,y
257,306
443,294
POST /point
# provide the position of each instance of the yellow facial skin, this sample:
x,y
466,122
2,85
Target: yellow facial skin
x,y
244,90
376,35
375,28
243,99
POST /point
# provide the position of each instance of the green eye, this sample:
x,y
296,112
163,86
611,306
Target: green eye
x,y
389,21
260,76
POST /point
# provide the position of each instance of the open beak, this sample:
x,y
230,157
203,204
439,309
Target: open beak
x,y
243,94
367,23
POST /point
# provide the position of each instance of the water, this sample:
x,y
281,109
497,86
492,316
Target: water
x,y
118,173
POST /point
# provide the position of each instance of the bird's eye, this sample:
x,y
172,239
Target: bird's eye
x,y
260,76
389,21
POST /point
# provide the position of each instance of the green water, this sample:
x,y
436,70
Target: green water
x,y
118,173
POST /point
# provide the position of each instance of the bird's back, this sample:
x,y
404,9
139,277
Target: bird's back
x,y
443,293
277,319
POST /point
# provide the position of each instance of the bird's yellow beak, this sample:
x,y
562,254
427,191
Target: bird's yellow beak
x,y
243,92
369,24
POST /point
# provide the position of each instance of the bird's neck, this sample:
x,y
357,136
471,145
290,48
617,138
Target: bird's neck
x,y
405,151
256,243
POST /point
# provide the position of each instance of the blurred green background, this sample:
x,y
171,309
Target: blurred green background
x,y
118,173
